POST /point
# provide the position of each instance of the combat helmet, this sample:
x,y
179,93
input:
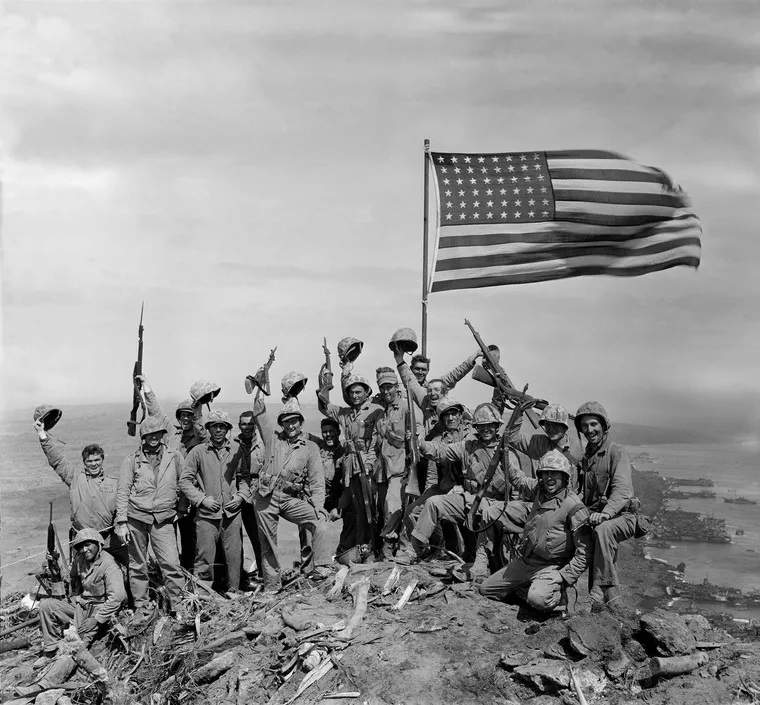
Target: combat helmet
x,y
292,384
49,416
84,535
484,414
204,392
592,408
218,416
291,407
554,413
357,379
555,461
152,424
405,339
186,405
444,404
349,349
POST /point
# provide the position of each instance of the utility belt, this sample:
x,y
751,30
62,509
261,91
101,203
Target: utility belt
x,y
294,489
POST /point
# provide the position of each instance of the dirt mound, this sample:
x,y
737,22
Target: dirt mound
x,y
445,644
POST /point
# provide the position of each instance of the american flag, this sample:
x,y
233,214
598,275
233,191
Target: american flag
x,y
519,217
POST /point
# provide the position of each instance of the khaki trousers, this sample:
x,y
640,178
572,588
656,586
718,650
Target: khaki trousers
x,y
536,582
208,532
607,538
298,511
163,540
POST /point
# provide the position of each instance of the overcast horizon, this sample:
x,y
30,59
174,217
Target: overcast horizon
x,y
253,172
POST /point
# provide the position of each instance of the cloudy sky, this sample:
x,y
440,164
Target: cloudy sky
x,y
253,171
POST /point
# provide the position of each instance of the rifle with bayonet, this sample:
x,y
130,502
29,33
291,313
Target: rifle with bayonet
x,y
413,482
55,576
138,402
260,380
500,457
500,379
325,372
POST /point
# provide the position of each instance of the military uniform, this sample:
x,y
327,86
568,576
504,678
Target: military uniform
x,y
291,485
147,503
92,497
554,544
248,457
99,594
219,473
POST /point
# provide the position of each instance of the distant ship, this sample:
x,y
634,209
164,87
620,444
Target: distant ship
x,y
739,500
740,532
689,482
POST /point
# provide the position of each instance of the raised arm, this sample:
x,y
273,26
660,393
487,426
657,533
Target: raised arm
x,y
527,486
55,457
451,378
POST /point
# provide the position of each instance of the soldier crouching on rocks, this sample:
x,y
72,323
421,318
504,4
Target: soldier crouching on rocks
x,y
98,586
552,552
291,485
146,508
217,487
604,481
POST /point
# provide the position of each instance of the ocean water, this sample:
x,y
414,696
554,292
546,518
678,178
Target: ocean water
x,y
735,470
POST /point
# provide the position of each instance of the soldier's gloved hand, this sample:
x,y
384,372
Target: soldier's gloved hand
x,y
211,504
457,489
597,518
141,382
398,354
40,428
122,531
259,407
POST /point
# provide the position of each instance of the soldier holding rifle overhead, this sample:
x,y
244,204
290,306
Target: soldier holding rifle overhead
x,y
357,424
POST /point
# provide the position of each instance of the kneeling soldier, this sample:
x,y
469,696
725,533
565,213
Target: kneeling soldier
x,y
98,585
555,540
291,485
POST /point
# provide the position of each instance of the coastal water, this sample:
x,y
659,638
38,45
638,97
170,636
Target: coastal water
x,y
735,471
27,484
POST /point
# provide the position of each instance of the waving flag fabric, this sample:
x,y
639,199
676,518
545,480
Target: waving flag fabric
x,y
519,217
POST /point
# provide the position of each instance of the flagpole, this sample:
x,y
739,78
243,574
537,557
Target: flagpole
x,y
426,159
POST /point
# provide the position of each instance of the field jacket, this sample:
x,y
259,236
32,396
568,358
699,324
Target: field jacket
x,y
100,585
391,426
247,461
358,428
146,494
92,497
444,472
293,467
604,478
332,467
470,460
215,472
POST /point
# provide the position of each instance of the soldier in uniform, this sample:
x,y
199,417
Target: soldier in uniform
x,y
291,485
472,458
555,424
216,485
605,484
358,429
92,494
182,436
146,506
553,548
98,587
392,467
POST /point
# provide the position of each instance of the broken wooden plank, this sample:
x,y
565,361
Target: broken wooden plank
x,y
408,590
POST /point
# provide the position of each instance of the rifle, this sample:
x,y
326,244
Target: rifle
x,y
325,372
260,380
413,483
53,574
500,378
137,398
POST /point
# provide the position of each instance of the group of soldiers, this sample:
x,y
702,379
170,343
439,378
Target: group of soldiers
x,y
411,473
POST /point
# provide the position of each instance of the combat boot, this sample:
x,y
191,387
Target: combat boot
x,y
479,570
413,553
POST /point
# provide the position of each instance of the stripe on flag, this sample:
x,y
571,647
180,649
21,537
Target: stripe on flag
x,y
519,217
